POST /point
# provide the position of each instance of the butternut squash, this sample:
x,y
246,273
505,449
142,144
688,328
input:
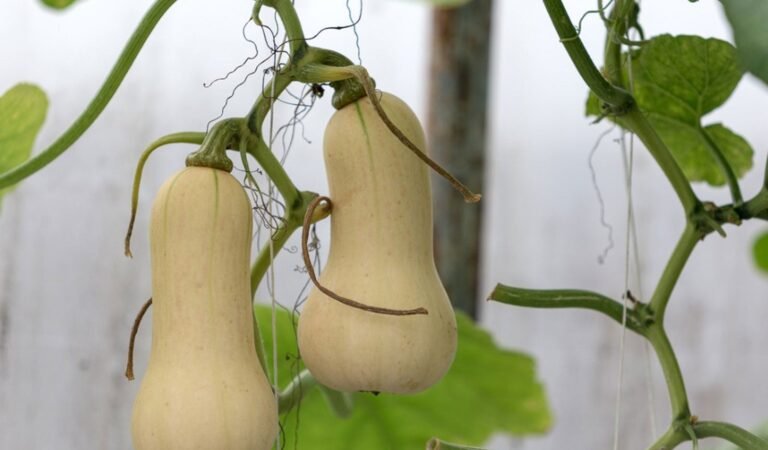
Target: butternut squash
x,y
381,254
204,387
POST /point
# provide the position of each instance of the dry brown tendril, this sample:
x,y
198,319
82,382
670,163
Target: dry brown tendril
x,y
311,271
362,76
134,331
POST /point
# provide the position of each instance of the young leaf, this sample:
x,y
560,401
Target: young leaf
x,y
58,4
488,390
748,19
760,252
690,149
685,77
22,113
676,81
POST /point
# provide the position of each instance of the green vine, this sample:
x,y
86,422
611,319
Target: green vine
x,y
307,64
647,319
98,103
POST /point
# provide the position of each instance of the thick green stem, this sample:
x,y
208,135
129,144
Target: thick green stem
x,y
672,271
259,147
300,386
765,174
272,90
699,220
340,403
621,104
299,69
99,102
272,167
289,19
678,434
672,375
671,439
617,28
267,254
635,121
757,206
731,433
568,298
614,96
437,444
224,135
725,166
631,118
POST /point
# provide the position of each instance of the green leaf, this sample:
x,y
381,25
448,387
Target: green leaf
x,y
760,252
488,390
58,4
685,77
676,81
592,107
22,113
691,152
748,19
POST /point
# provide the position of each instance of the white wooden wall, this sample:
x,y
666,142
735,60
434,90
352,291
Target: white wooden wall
x,y
68,296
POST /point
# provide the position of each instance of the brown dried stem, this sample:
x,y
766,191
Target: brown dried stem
x,y
311,271
134,332
362,76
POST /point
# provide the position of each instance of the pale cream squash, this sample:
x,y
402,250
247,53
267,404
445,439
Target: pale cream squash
x,y
381,254
204,387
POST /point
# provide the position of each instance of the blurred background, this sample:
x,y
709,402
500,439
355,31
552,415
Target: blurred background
x,y
68,296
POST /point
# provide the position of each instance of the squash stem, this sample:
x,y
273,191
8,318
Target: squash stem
x,y
325,73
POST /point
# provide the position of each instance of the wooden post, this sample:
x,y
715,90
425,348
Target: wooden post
x,y
457,137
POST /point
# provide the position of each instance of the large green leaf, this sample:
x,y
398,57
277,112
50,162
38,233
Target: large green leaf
x,y
748,19
58,4
690,149
685,77
760,252
676,81
488,390
22,113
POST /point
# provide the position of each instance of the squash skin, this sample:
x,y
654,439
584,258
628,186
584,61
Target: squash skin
x,y
381,254
204,387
